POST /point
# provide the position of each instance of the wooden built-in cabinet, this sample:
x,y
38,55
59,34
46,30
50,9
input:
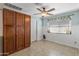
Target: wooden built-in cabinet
x,y
27,30
20,31
16,31
8,31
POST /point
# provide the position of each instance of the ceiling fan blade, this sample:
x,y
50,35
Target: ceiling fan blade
x,y
50,14
39,9
37,14
51,10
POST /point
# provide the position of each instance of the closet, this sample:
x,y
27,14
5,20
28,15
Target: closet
x,y
20,31
16,31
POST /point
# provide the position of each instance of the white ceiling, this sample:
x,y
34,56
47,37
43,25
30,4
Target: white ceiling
x,y
60,7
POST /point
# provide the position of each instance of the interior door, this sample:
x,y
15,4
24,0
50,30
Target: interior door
x,y
8,31
19,31
27,30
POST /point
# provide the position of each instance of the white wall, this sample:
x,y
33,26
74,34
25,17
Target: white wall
x,y
1,21
1,29
39,29
67,39
36,28
1,24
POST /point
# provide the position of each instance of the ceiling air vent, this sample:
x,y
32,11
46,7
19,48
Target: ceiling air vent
x,y
12,6
38,4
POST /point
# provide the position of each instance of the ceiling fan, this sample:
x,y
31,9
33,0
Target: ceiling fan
x,y
44,12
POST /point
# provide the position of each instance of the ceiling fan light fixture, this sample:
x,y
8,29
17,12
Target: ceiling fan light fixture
x,y
44,14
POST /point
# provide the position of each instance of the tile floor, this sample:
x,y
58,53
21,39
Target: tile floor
x,y
46,48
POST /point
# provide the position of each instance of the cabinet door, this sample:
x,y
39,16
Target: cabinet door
x,y
27,30
9,40
19,31
9,17
8,31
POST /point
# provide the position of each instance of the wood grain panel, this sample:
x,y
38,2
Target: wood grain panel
x,y
16,31
19,31
9,31
27,30
9,17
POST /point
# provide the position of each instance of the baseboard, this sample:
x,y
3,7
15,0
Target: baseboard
x,y
62,44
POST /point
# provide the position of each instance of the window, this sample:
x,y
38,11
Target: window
x,y
60,28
